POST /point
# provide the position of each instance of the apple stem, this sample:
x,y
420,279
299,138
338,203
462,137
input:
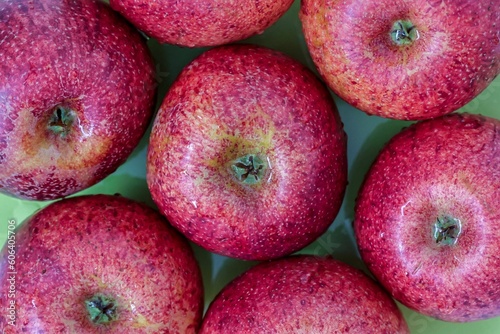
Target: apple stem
x,y
447,230
61,120
101,309
249,169
404,32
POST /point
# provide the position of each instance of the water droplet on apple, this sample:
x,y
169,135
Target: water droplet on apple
x,y
305,278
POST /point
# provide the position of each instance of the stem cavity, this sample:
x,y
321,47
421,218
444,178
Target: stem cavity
x,y
404,32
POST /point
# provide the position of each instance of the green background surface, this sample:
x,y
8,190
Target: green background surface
x,y
367,134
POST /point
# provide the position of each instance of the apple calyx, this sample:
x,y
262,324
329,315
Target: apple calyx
x,y
249,169
403,32
101,309
61,120
446,230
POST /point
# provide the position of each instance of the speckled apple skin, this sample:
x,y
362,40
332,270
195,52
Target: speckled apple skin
x,y
197,23
449,165
238,100
104,244
80,54
303,295
455,58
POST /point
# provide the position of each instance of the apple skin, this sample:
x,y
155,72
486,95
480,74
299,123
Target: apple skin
x,y
446,166
110,245
303,294
82,57
455,57
238,100
202,22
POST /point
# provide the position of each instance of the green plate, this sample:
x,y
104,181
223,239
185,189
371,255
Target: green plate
x,y
367,134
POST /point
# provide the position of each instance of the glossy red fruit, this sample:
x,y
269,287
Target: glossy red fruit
x,y
404,59
202,22
247,156
100,264
427,217
303,294
76,95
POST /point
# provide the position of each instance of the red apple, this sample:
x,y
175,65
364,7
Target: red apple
x,y
427,217
404,59
303,294
247,156
203,22
76,95
100,264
